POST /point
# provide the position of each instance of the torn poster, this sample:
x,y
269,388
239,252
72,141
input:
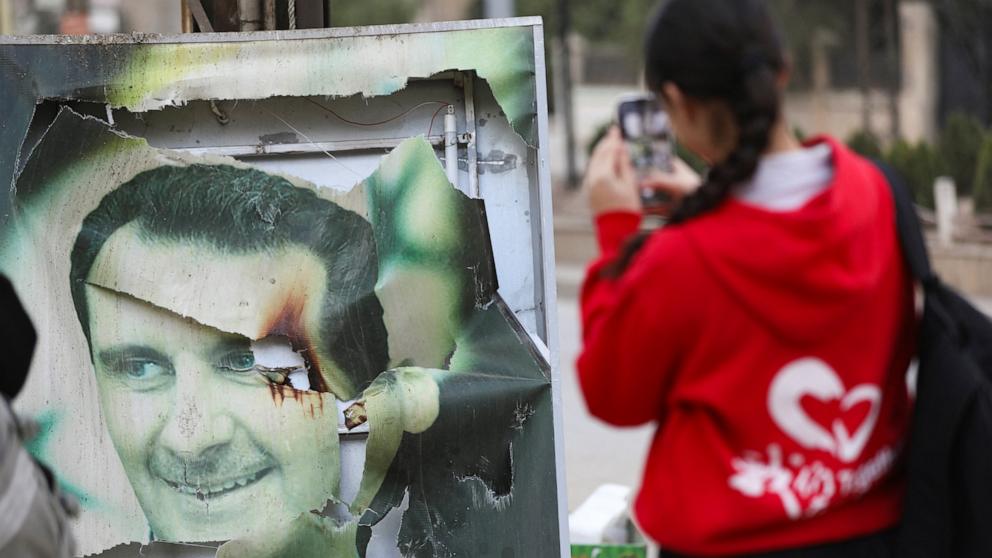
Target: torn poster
x,y
235,358
148,72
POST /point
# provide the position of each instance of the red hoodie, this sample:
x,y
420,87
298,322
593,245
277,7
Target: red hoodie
x,y
771,348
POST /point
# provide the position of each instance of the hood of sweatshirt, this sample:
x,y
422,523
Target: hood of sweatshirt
x,y
806,271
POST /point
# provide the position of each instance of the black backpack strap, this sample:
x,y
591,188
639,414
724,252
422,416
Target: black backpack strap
x,y
914,248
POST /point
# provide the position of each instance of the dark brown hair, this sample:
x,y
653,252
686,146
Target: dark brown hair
x,y
716,50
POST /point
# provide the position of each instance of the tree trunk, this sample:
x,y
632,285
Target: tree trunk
x,y
563,88
443,10
862,30
892,58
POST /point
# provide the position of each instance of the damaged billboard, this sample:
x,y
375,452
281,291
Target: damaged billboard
x,y
293,290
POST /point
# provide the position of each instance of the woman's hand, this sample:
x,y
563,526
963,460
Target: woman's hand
x,y
677,183
610,182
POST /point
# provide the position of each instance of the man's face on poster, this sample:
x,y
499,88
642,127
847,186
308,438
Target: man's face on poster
x,y
205,433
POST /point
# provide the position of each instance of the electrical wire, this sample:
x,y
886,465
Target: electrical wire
x,y
430,128
158,542
380,122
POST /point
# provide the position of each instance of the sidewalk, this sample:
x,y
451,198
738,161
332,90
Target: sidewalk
x,y
984,304
595,453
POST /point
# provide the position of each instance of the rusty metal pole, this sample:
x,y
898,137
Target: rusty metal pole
x,y
269,9
250,15
187,17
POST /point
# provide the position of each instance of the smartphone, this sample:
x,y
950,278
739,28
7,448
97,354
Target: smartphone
x,y
647,131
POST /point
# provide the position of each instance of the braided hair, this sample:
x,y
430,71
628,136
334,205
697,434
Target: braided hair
x,y
716,50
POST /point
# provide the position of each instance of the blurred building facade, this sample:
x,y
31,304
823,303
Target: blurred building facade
x,y
26,17
838,107
892,67
941,63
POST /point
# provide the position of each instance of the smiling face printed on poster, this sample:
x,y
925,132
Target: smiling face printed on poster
x,y
302,351
223,333
230,402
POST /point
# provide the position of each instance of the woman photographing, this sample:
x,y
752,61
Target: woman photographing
x,y
767,329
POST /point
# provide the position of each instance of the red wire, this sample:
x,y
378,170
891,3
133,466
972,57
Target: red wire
x,y
379,123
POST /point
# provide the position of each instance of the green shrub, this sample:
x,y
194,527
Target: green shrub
x,y
900,158
960,141
983,177
919,165
866,144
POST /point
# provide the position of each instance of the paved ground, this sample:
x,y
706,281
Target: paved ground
x,y
595,453
984,304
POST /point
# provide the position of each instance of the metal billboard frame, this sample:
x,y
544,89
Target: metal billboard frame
x,y
544,329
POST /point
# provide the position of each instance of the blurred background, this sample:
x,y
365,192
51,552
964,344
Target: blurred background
x,y
907,81
910,80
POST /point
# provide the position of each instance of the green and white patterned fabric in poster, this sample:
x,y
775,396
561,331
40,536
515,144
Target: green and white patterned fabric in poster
x,y
319,342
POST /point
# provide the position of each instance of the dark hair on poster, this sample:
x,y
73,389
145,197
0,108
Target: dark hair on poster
x,y
242,210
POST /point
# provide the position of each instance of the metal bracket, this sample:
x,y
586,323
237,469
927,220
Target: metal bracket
x,y
468,137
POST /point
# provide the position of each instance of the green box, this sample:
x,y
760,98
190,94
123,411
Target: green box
x,y
609,551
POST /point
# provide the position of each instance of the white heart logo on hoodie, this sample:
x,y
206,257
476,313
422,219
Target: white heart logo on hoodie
x,y
815,378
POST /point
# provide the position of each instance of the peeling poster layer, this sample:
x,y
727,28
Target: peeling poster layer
x,y
217,340
148,72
